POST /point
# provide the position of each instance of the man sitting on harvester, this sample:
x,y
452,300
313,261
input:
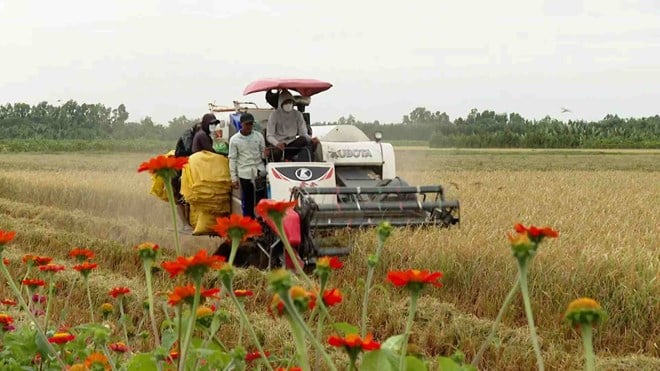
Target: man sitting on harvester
x,y
287,132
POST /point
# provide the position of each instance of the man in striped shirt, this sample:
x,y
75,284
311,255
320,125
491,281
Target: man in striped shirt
x,y
247,151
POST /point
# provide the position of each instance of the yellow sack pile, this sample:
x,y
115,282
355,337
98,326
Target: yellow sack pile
x,y
206,186
158,185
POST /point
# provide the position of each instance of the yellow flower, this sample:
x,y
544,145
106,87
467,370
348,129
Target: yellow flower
x,y
78,367
521,245
584,311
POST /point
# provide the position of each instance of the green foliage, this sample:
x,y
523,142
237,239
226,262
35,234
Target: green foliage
x,y
488,129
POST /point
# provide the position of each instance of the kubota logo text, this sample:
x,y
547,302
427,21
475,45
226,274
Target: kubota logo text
x,y
348,153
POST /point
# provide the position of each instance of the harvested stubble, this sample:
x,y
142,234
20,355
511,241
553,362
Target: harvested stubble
x,y
605,206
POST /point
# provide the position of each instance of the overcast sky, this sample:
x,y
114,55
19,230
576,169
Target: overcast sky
x,y
170,58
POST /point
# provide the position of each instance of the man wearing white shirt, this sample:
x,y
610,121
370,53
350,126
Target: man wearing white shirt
x,y
247,151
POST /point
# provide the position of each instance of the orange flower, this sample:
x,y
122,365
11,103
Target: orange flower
x,y
118,347
51,268
119,291
165,166
61,338
187,294
536,234
36,260
237,227
332,297
96,360
5,261
352,343
33,283
271,209
147,250
329,262
414,279
85,268
5,237
8,302
243,293
6,319
81,254
276,306
584,311
255,355
195,266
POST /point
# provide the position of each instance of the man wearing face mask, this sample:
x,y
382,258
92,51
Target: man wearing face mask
x,y
287,131
202,140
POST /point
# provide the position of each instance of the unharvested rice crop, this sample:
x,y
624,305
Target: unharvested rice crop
x,y
604,204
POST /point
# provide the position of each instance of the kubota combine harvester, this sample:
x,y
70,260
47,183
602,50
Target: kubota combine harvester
x,y
351,181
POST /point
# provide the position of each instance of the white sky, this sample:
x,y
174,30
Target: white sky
x,y
169,58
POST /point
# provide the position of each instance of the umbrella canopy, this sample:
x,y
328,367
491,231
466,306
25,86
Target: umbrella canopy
x,y
306,87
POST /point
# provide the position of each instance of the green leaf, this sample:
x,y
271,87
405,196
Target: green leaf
x,y
393,343
142,362
448,364
346,328
415,364
379,360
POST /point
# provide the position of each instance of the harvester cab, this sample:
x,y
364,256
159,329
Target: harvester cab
x,y
350,182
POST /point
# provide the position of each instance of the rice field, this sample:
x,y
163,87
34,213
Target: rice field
x,y
605,204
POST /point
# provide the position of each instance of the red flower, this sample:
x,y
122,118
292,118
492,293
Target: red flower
x,y
85,268
237,227
195,265
36,260
255,355
414,279
271,209
8,302
33,283
187,294
119,291
118,347
536,234
163,165
6,236
52,268
6,319
329,262
353,342
5,261
332,297
242,293
61,338
276,306
81,254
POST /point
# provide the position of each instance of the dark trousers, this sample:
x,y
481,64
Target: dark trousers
x,y
250,196
301,146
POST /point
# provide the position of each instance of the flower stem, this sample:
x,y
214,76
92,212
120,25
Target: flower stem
x,y
245,320
367,287
24,305
293,312
89,299
150,294
589,357
319,325
110,360
498,319
411,317
68,299
51,286
170,197
234,248
191,324
123,319
289,250
522,266
301,346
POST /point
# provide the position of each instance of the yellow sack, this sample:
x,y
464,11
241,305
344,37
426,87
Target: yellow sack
x,y
158,184
206,186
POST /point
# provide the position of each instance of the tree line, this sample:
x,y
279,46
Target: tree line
x,y
485,129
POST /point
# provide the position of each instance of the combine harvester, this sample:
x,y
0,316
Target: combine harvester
x,y
351,182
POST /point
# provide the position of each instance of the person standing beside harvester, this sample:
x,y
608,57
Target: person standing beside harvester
x,y
247,150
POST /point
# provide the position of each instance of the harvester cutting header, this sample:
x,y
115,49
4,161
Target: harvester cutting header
x,y
341,178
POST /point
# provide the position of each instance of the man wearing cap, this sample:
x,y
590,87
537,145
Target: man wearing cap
x,y
247,151
287,131
202,140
